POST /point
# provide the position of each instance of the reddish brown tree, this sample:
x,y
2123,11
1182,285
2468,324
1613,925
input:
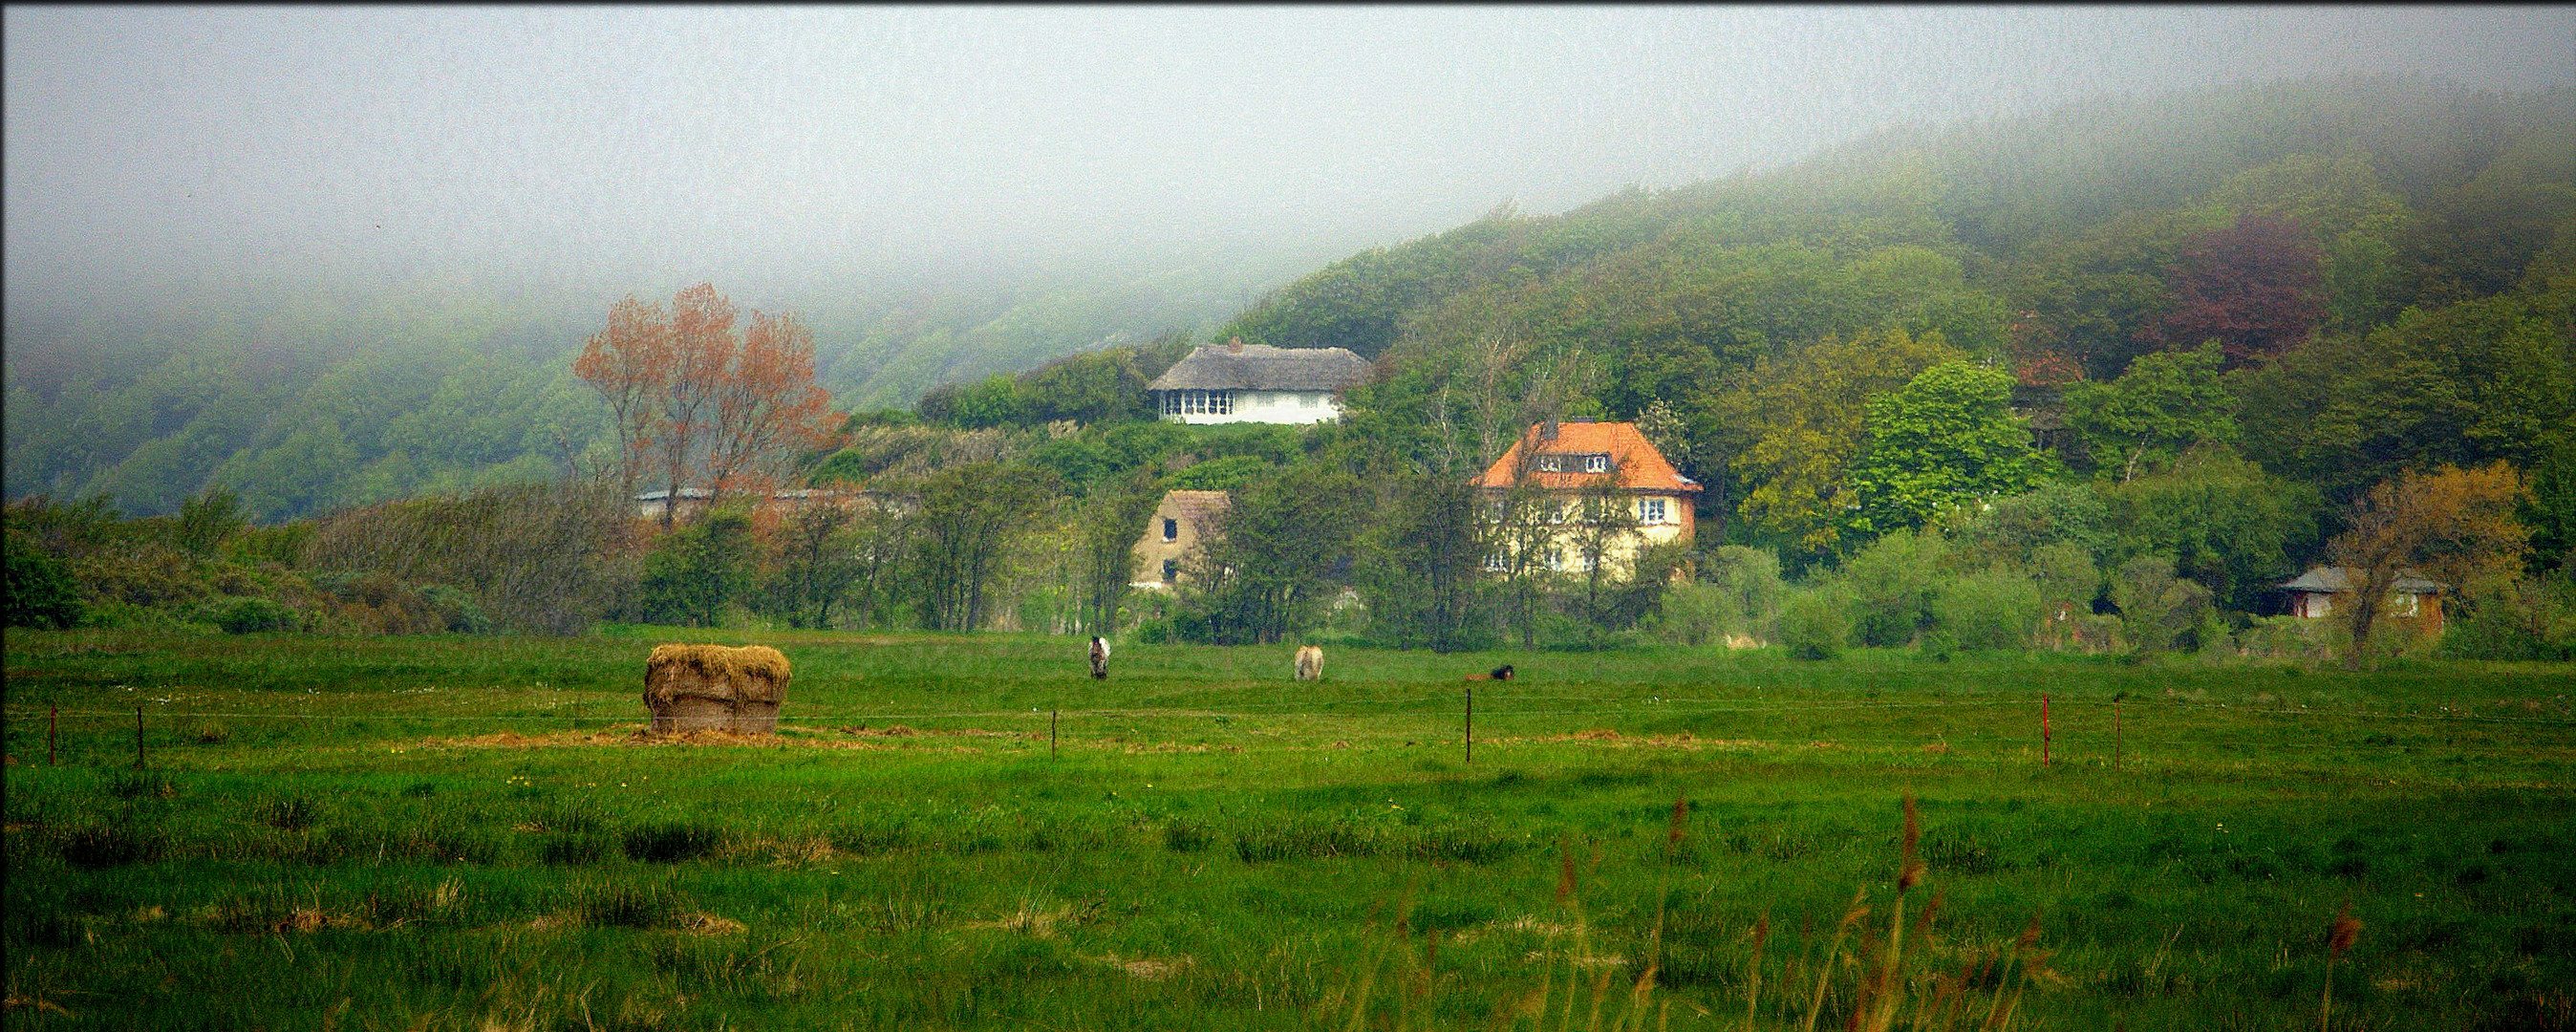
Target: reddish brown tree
x,y
2456,526
629,363
2253,287
693,398
767,409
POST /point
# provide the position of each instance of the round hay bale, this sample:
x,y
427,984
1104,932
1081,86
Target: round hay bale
x,y
715,688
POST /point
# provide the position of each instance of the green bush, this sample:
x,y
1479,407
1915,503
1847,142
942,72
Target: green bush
x,y
2291,638
1890,586
1690,614
458,608
1748,580
2158,610
251,615
1813,624
1995,609
41,592
2529,620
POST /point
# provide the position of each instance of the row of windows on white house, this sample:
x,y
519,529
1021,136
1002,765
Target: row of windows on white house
x,y
1220,403
1648,511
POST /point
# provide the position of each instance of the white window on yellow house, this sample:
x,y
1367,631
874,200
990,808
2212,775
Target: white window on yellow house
x,y
1650,510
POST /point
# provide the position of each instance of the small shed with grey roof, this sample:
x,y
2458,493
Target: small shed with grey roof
x,y
2411,597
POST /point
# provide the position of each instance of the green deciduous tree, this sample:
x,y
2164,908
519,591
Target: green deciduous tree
x,y
1111,523
694,572
2221,521
1424,568
970,518
2165,402
1273,560
1949,437
1797,423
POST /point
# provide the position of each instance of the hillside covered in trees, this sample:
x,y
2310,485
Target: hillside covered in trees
x,y
304,401
2125,366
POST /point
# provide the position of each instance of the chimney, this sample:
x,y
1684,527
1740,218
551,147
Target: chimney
x,y
1234,347
1547,432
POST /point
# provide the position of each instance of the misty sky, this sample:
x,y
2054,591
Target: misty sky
x,y
632,149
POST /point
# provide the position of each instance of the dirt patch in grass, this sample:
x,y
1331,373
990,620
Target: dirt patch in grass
x,y
633,735
1605,738
1144,969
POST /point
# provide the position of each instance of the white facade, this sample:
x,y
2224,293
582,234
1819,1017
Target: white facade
x,y
1242,406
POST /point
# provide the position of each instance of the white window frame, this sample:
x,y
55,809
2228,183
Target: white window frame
x,y
1551,463
1596,464
1654,510
1198,403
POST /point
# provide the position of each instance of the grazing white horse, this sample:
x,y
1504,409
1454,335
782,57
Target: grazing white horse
x,y
1310,663
1100,658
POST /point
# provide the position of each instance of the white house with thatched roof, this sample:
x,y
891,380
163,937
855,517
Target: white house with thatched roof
x,y
1256,383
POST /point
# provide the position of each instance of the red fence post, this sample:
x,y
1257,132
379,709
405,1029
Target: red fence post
x,y
2043,729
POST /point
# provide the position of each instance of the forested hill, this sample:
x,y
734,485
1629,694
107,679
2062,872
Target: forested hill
x,y
311,401
2483,181
2387,267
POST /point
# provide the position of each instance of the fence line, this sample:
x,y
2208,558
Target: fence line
x,y
1426,706
1429,706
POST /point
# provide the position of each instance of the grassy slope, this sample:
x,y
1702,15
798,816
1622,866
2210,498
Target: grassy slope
x,y
422,829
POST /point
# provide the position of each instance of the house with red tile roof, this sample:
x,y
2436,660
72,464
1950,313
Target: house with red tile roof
x,y
1567,462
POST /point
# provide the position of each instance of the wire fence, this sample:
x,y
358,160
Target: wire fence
x,y
2104,726
1424,706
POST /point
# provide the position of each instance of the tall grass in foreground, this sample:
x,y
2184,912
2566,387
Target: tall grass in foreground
x,y
1864,977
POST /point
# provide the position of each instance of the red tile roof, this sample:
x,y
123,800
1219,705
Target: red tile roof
x,y
1639,466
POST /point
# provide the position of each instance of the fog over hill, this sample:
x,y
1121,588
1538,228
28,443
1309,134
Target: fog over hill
x,y
247,245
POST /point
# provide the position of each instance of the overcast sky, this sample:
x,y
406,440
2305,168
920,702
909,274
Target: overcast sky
x,y
633,148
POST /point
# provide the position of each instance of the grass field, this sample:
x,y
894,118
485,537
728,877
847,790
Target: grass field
x,y
468,833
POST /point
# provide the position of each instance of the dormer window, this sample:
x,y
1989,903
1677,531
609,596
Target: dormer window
x,y
1596,464
1551,463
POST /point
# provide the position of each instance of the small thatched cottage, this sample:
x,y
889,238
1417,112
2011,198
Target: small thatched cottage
x,y
1256,383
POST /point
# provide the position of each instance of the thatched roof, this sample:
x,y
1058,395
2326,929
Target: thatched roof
x,y
1260,367
1195,506
2336,579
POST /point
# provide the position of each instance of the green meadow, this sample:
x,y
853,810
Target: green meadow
x,y
969,832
